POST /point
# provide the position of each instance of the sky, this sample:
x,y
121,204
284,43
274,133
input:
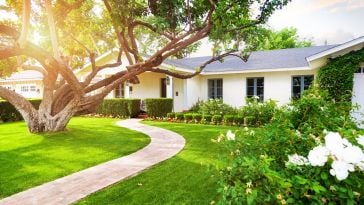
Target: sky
x,y
331,21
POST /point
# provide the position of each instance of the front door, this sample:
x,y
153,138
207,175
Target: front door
x,y
163,87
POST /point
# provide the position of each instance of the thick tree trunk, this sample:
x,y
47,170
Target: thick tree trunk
x,y
38,124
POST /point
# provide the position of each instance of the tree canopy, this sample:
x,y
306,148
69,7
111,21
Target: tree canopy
x,y
57,37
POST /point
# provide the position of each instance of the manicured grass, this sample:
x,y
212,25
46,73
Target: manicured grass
x,y
188,178
27,160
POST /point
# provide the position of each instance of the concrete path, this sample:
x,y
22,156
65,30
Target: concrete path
x,y
69,189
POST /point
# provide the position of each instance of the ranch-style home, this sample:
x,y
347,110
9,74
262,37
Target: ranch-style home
x,y
276,74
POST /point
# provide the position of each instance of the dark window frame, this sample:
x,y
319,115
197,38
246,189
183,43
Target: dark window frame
x,y
302,85
255,87
215,94
120,91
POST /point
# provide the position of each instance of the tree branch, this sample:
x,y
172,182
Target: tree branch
x,y
25,23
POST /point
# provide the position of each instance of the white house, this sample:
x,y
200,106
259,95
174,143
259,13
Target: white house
x,y
277,74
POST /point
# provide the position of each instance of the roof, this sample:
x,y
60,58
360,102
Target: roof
x,y
24,75
258,60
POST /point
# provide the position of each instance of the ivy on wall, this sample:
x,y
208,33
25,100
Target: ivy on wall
x,y
338,75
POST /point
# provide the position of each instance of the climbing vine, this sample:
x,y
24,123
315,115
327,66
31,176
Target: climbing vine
x,y
338,75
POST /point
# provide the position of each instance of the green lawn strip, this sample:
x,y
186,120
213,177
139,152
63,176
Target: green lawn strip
x,y
28,159
188,178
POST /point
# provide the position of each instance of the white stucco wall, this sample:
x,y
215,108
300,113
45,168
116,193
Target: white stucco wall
x,y
277,86
149,87
179,100
358,98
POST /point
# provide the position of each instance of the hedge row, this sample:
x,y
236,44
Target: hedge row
x,y
119,107
208,119
158,107
8,113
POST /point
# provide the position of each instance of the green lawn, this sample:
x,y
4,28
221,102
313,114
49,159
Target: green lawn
x,y
188,178
27,160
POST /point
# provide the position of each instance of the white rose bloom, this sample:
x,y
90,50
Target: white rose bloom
x,y
353,155
318,156
334,143
297,159
340,169
360,140
361,166
230,135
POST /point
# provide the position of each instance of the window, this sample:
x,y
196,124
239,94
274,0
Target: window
x,y
163,87
300,84
215,88
24,88
255,87
33,88
119,91
360,69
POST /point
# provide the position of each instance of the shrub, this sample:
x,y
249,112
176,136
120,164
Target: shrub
x,y
259,167
179,116
206,118
119,107
239,120
187,117
196,107
8,112
258,113
216,119
171,115
197,117
216,107
158,107
229,119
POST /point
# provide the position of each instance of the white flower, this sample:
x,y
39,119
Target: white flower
x,y
334,143
230,135
360,140
340,169
353,155
297,159
256,97
318,156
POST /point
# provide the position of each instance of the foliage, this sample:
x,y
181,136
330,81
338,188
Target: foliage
x,y
337,76
258,171
216,119
119,108
316,111
9,113
187,117
171,115
179,116
268,39
206,118
158,107
258,113
46,157
228,119
216,107
239,120
196,107
197,117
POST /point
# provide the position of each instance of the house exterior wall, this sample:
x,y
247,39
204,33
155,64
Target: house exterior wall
x,y
277,86
149,87
16,86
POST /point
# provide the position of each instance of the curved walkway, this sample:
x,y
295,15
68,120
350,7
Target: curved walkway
x,y
66,190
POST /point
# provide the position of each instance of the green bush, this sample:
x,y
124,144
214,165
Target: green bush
x,y
119,107
258,113
257,171
196,107
216,107
197,117
158,107
239,120
206,118
8,113
187,117
229,119
216,119
171,115
179,116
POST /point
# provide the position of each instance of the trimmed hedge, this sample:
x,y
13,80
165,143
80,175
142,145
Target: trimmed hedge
x,y
8,112
188,117
158,107
171,115
179,116
196,117
119,107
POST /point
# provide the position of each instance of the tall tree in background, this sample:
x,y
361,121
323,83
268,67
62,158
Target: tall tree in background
x,y
76,29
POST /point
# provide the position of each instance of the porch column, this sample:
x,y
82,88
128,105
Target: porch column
x,y
169,82
126,90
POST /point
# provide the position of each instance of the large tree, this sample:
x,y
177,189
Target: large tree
x,y
77,29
